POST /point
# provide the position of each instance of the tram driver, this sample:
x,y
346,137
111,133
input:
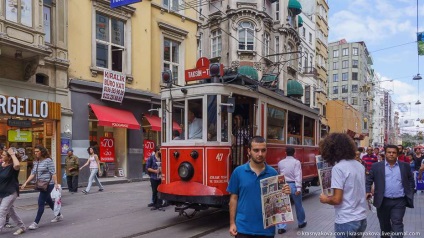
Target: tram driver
x,y
194,126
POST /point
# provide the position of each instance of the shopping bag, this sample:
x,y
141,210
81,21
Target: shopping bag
x,y
56,195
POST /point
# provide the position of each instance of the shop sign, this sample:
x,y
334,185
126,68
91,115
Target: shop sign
x,y
113,86
19,123
107,149
148,148
17,106
19,136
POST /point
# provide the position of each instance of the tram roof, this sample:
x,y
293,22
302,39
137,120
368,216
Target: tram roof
x,y
251,90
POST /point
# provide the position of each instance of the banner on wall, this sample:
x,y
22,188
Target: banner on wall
x,y
107,149
113,86
148,148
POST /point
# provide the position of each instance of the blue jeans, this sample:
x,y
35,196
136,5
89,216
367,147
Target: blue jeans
x,y
93,175
43,198
300,212
352,229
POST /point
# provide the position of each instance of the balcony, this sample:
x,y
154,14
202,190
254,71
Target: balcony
x,y
309,71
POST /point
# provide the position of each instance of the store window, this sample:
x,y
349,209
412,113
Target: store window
x,y
276,121
19,11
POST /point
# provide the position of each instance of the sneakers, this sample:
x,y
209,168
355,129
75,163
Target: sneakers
x,y
33,226
303,225
85,192
281,231
57,218
8,225
101,190
18,232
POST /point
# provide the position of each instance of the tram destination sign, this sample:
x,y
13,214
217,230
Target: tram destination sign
x,y
201,71
19,123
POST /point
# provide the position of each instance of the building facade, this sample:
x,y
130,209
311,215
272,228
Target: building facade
x,y
135,42
33,78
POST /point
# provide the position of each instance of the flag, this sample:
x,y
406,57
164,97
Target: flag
x,y
406,123
420,42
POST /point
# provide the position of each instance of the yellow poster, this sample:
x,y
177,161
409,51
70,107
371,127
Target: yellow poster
x,y
19,136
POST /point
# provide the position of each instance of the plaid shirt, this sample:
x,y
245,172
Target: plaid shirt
x,y
369,160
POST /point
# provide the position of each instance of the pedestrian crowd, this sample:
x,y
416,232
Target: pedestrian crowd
x,y
360,178
44,177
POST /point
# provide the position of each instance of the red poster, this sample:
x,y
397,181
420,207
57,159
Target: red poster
x,y
148,148
107,149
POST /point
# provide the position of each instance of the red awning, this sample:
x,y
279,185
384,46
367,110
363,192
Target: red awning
x,y
156,125
108,116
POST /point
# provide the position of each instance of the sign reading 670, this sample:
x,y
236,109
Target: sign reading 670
x,y
107,149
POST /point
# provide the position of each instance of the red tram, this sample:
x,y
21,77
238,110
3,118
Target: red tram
x,y
217,118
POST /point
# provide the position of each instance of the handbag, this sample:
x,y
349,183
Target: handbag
x,y
41,185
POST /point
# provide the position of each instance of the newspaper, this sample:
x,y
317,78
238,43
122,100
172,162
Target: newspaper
x,y
276,206
324,174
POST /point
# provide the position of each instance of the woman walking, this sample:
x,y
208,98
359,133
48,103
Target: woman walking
x,y
43,170
93,161
9,189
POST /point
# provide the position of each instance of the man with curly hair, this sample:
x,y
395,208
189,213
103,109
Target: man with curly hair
x,y
348,183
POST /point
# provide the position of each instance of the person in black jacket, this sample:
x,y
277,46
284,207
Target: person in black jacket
x,y
394,191
9,189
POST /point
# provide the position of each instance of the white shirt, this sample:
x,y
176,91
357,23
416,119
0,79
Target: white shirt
x,y
292,171
195,129
349,176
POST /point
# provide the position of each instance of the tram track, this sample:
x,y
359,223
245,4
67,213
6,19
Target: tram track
x,y
195,227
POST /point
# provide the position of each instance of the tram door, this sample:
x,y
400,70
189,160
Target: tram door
x,y
243,128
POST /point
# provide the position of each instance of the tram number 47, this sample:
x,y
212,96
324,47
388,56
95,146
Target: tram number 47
x,y
219,156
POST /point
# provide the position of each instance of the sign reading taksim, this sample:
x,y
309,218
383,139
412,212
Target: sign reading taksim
x,y
113,86
16,106
201,71
120,3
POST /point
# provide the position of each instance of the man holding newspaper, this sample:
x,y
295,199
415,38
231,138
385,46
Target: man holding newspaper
x,y
292,170
244,186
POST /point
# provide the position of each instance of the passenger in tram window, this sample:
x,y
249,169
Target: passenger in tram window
x,y
194,126
176,135
348,183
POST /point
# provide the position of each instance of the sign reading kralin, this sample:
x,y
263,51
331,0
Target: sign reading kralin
x,y
16,106
113,86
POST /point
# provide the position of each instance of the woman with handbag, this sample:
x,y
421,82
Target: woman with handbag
x,y
93,161
45,174
9,189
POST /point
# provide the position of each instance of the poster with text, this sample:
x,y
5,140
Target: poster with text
x,y
276,206
65,144
324,174
148,148
107,149
113,86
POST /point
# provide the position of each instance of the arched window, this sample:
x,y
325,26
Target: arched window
x,y
246,32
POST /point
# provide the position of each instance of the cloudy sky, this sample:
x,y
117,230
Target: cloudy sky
x,y
388,27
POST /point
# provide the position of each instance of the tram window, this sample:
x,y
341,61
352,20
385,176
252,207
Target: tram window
x,y
194,118
276,121
309,129
163,121
212,117
294,128
177,120
224,121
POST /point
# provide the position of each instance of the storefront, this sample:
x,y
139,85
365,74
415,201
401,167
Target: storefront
x,y
113,129
25,123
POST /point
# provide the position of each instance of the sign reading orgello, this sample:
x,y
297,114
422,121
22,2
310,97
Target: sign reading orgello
x,y
119,3
107,149
113,86
148,148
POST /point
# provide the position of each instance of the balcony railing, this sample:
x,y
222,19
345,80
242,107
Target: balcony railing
x,y
309,71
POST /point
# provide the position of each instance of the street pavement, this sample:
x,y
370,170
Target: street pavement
x,y
121,211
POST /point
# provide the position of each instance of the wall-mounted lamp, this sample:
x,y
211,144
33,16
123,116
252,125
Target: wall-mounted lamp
x,y
67,131
183,90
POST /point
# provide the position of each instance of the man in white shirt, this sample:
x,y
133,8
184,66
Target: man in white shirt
x,y
194,126
292,171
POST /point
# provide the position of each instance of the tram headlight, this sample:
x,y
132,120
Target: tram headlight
x,y
186,171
